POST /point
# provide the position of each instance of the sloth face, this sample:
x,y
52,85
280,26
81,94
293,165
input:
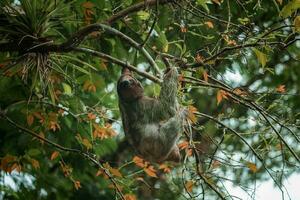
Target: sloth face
x,y
129,89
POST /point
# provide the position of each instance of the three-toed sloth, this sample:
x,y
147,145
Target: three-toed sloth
x,y
151,125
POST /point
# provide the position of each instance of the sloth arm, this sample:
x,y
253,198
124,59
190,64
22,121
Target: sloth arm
x,y
168,93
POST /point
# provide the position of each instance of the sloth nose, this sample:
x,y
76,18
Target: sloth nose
x,y
125,83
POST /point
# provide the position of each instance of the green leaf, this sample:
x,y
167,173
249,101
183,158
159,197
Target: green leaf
x,y
67,89
297,24
143,15
203,3
33,152
262,58
289,8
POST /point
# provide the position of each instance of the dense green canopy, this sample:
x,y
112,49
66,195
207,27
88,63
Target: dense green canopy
x,y
61,135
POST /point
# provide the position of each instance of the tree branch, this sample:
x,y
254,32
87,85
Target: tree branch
x,y
135,8
118,62
62,148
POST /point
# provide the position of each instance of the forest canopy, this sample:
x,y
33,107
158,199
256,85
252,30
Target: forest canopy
x,y
61,134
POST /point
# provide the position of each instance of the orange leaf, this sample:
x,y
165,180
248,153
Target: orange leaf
x,y
180,78
30,119
130,197
115,172
205,76
91,116
9,163
39,116
183,29
183,145
77,185
215,164
99,172
209,24
221,95
42,135
191,116
217,1
138,161
189,152
151,171
165,168
54,155
229,41
240,92
199,58
189,186
252,167
280,88
106,165
35,164
87,143
15,166
88,4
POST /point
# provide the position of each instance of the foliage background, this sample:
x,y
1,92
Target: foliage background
x,y
60,123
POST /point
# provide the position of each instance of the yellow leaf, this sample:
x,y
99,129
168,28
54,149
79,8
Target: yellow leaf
x,y
279,1
262,58
130,197
115,172
252,167
103,65
290,8
87,143
280,88
189,186
150,171
209,24
166,48
30,119
54,155
106,165
297,24
143,15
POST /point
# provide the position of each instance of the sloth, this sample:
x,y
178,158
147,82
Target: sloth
x,y
151,125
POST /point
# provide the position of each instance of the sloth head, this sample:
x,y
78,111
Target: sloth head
x,y
129,88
